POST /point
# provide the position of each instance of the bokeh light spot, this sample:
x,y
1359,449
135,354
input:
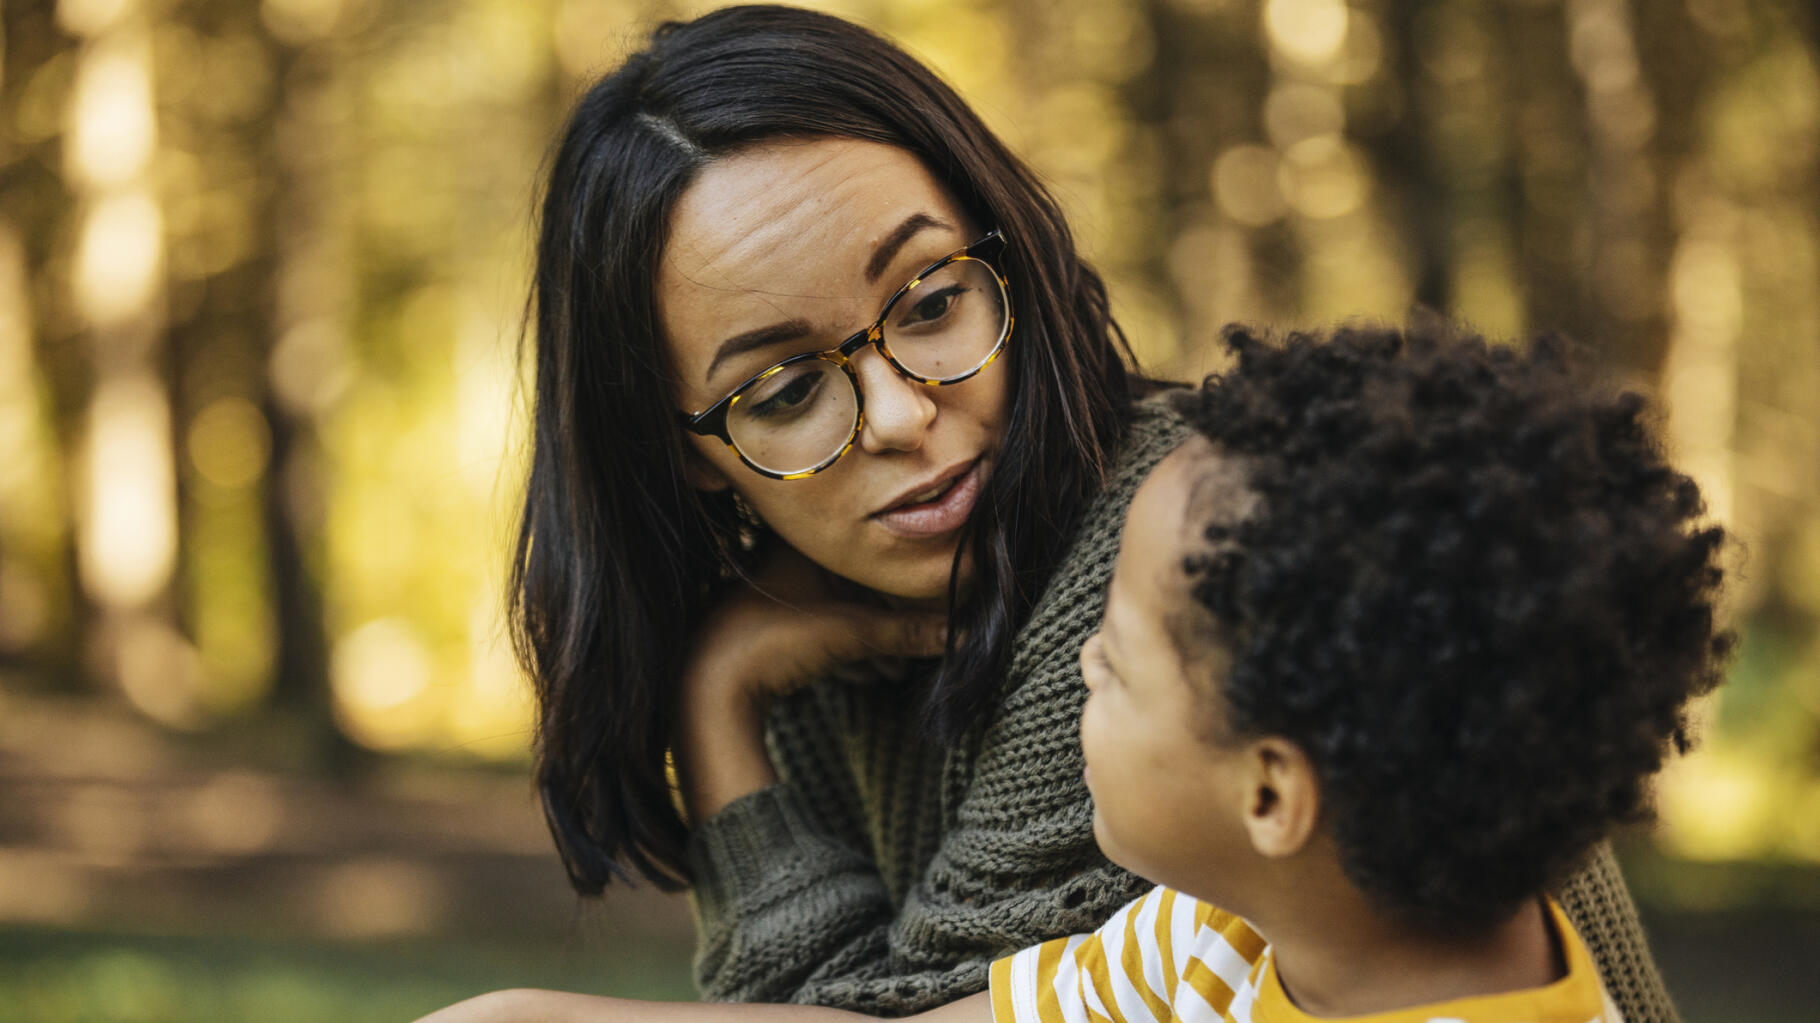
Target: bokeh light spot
x,y
103,824
160,672
380,671
237,812
310,366
1308,31
130,529
1715,807
24,605
119,257
1362,56
300,21
111,131
1454,49
41,886
1324,178
1708,288
229,443
1245,185
89,17
379,897
1297,110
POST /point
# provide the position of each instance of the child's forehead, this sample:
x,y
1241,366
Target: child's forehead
x,y
1218,490
1196,486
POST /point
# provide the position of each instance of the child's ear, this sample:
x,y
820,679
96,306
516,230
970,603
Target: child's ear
x,y
702,474
1284,798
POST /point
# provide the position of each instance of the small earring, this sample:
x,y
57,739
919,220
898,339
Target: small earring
x,y
747,517
736,550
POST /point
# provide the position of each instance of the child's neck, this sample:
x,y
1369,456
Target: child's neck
x,y
1358,961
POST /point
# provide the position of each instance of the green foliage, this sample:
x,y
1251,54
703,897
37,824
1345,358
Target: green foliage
x,y
99,978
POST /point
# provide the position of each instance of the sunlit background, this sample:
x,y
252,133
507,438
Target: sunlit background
x,y
262,264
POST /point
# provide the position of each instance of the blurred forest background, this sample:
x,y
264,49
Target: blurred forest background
x,y
262,263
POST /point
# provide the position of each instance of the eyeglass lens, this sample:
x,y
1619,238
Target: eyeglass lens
x,y
797,417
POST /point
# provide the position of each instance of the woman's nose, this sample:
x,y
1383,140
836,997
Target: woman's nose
x,y
898,410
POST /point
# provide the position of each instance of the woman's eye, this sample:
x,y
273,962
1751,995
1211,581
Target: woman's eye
x,y
788,398
932,307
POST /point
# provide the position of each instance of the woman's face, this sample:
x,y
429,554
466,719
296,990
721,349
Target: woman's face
x,y
790,247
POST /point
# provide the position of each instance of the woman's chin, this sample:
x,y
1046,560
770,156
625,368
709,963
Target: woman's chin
x,y
927,587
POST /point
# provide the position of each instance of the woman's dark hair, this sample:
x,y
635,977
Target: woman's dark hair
x,y
1472,590
618,558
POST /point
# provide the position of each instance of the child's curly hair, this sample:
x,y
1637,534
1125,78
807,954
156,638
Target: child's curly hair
x,y
1473,592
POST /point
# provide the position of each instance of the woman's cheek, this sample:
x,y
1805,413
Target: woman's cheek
x,y
806,517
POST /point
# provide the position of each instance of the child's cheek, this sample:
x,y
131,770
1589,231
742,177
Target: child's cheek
x,y
1087,729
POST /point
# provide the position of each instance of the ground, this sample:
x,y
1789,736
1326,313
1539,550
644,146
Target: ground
x,y
154,878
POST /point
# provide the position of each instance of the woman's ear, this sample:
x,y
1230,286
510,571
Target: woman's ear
x,y
1284,799
702,474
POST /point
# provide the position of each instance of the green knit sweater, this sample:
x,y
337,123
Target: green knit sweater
x,y
884,874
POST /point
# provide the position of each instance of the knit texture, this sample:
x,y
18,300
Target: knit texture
x,y
1598,902
883,874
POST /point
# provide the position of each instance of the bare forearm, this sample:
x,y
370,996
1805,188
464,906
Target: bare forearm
x,y
793,625
529,1005
720,753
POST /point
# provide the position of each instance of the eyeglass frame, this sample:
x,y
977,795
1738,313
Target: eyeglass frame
x,y
712,421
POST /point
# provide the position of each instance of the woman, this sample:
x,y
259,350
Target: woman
x,y
824,391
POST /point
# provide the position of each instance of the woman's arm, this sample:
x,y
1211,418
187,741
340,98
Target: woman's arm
x,y
791,627
784,880
529,1005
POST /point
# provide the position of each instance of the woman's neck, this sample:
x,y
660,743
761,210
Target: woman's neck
x,y
1358,961
911,603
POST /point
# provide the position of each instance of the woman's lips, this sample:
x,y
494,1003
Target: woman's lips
x,y
944,513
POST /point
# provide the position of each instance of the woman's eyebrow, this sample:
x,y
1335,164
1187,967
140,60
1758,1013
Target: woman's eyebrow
x,y
763,337
792,330
887,250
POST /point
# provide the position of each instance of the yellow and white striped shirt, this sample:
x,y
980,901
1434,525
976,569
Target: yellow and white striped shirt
x,y
1171,958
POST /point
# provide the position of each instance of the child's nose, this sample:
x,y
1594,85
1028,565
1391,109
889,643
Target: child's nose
x,y
1086,656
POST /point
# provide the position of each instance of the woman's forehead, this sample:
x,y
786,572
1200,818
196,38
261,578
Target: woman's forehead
x,y
786,208
789,233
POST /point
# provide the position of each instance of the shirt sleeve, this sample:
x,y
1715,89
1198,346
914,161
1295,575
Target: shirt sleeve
x,y
1165,957
1124,972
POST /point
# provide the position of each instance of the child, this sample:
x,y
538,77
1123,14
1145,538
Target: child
x,y
1393,640
1389,644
